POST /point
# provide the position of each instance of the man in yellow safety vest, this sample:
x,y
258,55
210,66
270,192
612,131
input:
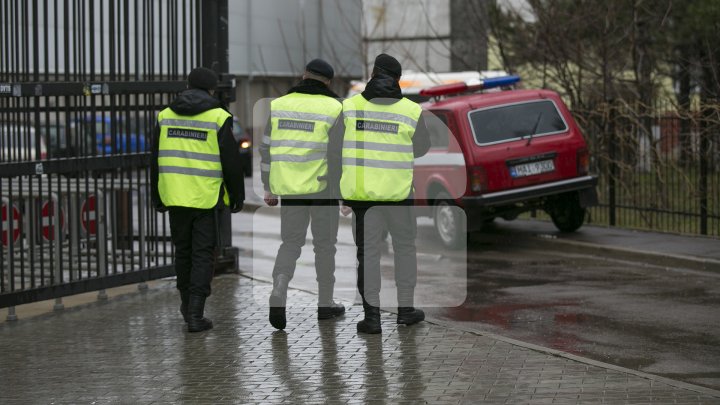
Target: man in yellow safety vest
x,y
383,134
295,167
194,172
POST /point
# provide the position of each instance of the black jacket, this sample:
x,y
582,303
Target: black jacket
x,y
308,86
383,89
192,102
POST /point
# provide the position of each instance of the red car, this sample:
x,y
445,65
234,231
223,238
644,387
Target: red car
x,y
499,154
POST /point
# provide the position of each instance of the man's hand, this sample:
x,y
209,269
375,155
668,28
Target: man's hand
x,y
236,207
345,210
270,199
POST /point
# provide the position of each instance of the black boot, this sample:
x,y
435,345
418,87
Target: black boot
x,y
196,309
330,310
185,299
278,298
410,315
371,323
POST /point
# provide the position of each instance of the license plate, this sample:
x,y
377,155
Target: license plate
x,y
530,169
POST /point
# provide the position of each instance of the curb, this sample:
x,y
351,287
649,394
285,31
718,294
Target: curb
x,y
666,260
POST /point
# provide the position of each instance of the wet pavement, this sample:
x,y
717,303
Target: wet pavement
x,y
601,316
657,319
135,350
640,317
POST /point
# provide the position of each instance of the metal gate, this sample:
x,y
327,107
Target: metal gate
x,y
81,82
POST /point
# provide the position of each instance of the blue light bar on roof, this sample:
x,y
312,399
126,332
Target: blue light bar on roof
x,y
500,81
462,87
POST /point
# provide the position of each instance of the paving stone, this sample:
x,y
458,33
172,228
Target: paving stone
x,y
136,350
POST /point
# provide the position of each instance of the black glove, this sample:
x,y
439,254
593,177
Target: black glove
x,y
160,207
236,207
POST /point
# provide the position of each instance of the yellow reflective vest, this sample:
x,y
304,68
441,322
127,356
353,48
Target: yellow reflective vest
x,y
189,169
299,142
377,152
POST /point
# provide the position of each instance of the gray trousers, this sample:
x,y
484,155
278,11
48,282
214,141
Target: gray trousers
x,y
323,218
369,225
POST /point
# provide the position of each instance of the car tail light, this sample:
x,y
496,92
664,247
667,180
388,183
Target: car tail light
x,y
583,162
478,179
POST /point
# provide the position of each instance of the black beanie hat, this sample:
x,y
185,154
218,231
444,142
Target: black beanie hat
x,y
388,64
203,78
320,67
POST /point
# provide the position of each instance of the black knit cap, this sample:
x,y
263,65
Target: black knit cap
x,y
320,67
203,78
388,64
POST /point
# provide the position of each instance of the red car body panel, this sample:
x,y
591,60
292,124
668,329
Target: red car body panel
x,y
443,168
495,160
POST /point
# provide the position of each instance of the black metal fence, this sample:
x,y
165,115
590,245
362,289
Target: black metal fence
x,y
659,169
81,82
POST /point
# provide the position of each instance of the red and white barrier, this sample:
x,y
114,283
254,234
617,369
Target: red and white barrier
x,y
11,223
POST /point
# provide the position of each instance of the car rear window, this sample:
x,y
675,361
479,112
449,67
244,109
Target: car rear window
x,y
515,121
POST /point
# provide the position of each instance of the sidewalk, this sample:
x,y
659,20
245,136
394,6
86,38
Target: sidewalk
x,y
134,350
661,249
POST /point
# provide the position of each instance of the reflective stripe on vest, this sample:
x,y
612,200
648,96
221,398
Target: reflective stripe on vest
x,y
190,171
381,115
377,156
302,115
210,157
299,141
183,122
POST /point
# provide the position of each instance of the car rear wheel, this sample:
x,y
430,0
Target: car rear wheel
x,y
449,222
566,212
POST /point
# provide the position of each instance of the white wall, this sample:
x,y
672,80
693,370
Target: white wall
x,y
403,28
278,37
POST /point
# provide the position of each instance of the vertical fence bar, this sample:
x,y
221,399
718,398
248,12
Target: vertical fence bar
x,y
3,43
8,234
9,230
611,137
704,156
11,248
57,242
38,127
101,235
